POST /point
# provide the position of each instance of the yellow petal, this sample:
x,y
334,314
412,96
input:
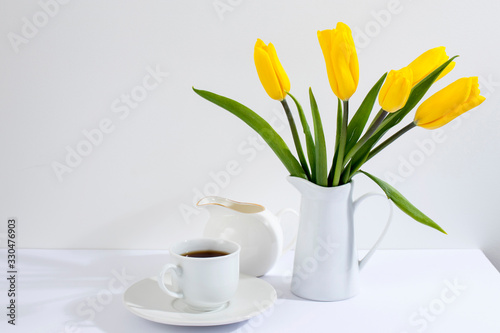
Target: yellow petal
x,y
446,70
443,102
266,73
449,103
260,43
428,62
271,74
352,56
389,80
474,98
397,95
278,68
341,60
396,89
325,38
354,65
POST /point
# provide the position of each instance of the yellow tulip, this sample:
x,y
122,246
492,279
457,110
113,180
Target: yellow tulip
x,y
396,89
428,62
341,60
271,74
449,103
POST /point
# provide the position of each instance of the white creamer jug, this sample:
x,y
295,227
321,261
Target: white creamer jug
x,y
256,229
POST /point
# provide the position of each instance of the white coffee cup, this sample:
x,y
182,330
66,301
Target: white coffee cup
x,y
204,283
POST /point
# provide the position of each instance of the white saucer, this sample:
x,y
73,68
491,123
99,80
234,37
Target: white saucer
x,y
146,300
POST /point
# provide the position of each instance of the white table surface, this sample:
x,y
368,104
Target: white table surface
x,y
403,291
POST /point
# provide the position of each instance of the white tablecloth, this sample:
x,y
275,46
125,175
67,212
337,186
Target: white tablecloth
x,y
403,291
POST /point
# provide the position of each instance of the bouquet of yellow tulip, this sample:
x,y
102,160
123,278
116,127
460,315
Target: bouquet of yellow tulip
x,y
398,91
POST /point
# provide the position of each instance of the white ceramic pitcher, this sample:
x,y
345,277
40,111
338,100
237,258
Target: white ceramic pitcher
x,y
326,266
253,227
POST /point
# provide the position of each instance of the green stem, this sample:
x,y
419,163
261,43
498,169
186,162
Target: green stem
x,y
343,135
337,140
387,114
390,140
296,139
373,127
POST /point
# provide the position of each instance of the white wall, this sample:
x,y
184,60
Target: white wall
x,y
73,72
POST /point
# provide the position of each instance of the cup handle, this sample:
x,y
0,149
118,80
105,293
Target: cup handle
x,y
280,214
356,203
177,271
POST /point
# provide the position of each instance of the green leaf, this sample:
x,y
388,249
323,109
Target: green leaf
x,y
296,139
261,126
358,121
345,177
403,204
320,146
393,119
309,139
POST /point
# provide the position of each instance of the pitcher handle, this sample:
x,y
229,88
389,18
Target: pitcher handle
x,y
294,238
356,203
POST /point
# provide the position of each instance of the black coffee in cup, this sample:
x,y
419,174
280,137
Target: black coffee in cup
x,y
204,254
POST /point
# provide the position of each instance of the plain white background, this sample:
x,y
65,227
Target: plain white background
x,y
69,69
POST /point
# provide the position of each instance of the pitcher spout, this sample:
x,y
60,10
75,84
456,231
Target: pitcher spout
x,y
314,191
241,207
301,184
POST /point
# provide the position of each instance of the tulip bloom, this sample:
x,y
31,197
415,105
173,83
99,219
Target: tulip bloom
x,y
341,60
449,103
271,74
428,61
396,89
